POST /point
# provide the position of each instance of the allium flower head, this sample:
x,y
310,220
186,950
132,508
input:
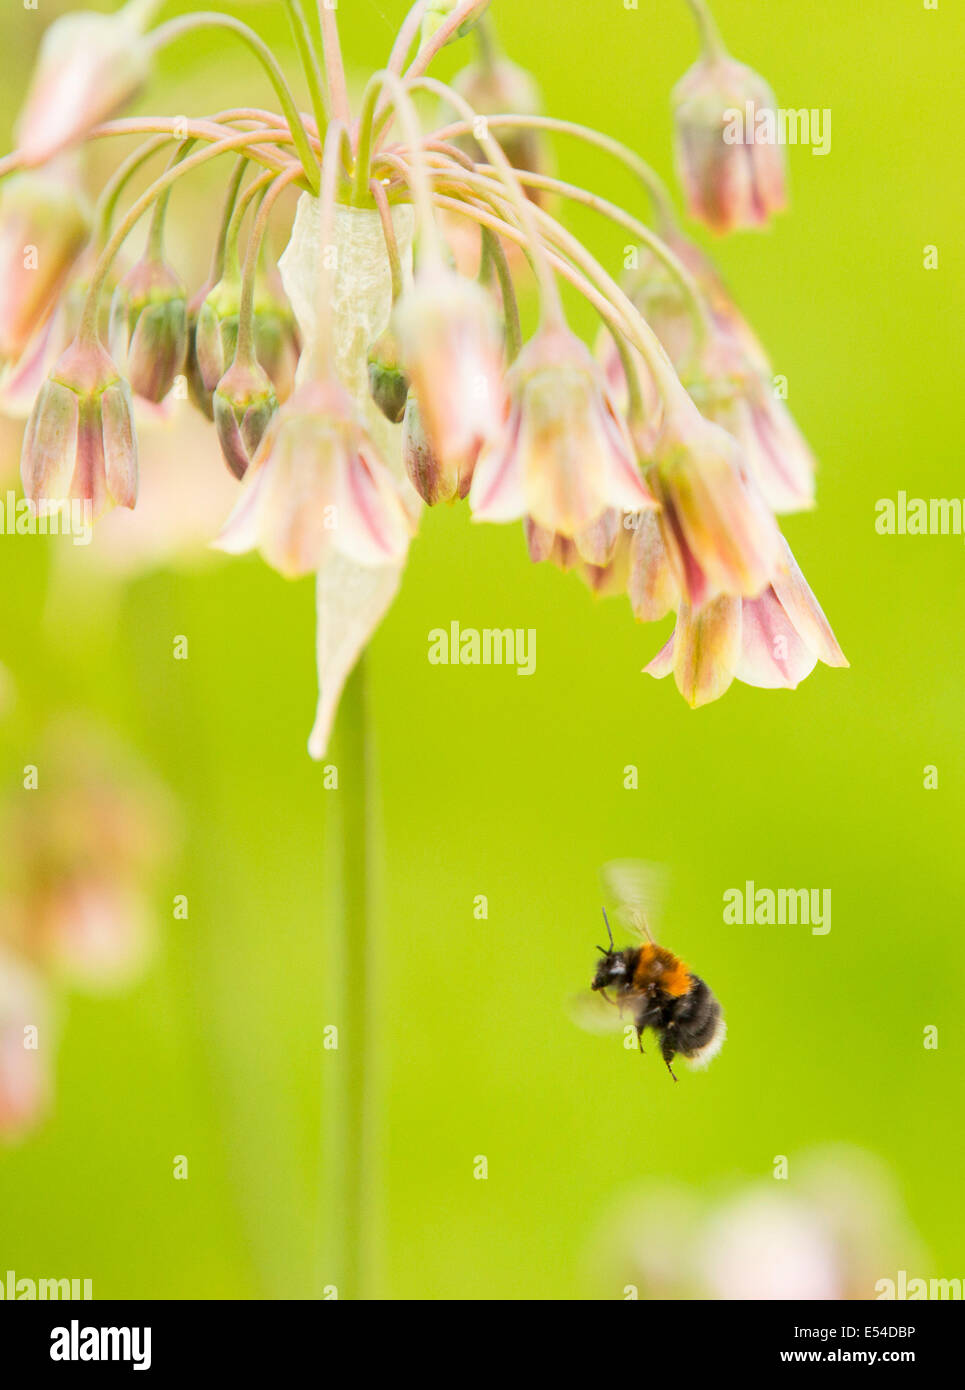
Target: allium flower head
x,y
565,455
317,486
80,440
727,185
357,377
44,224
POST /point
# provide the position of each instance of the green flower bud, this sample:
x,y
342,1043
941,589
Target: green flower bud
x,y
244,404
388,383
149,327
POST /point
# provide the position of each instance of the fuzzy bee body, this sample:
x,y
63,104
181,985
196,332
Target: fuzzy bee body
x,y
652,985
660,993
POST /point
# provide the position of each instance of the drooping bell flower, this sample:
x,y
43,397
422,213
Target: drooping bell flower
x,y
721,536
149,327
727,374
653,587
772,641
494,86
732,176
80,440
565,456
89,66
44,225
316,487
448,334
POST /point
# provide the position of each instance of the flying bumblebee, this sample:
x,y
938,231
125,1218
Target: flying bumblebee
x,y
648,982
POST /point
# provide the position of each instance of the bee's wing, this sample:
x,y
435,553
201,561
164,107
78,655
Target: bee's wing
x,y
638,891
594,1014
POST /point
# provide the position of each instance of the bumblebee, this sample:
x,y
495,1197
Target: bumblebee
x,y
650,983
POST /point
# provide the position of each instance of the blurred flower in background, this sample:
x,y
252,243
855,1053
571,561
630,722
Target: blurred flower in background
x,y
80,856
830,1230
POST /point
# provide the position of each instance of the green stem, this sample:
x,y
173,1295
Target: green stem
x,y
391,245
334,67
317,89
711,41
351,1139
89,317
493,248
245,351
187,24
107,203
671,262
656,188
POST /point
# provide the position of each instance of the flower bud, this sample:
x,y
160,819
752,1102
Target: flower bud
x,y
149,327
388,383
565,456
431,480
731,177
216,333
215,339
89,66
493,88
80,440
448,331
44,224
438,11
244,404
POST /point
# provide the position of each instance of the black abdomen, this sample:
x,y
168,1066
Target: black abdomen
x,y
685,1024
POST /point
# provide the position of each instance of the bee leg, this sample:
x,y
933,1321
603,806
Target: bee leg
x,y
668,1051
670,1069
640,1041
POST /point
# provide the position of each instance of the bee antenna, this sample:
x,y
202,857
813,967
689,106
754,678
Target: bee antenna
x,y
608,931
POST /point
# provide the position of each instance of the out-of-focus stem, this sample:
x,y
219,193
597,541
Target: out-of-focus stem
x,y
321,104
187,24
651,180
334,67
350,1138
713,44
88,325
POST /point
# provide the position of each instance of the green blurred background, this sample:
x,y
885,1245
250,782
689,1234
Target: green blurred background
x,y
513,788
